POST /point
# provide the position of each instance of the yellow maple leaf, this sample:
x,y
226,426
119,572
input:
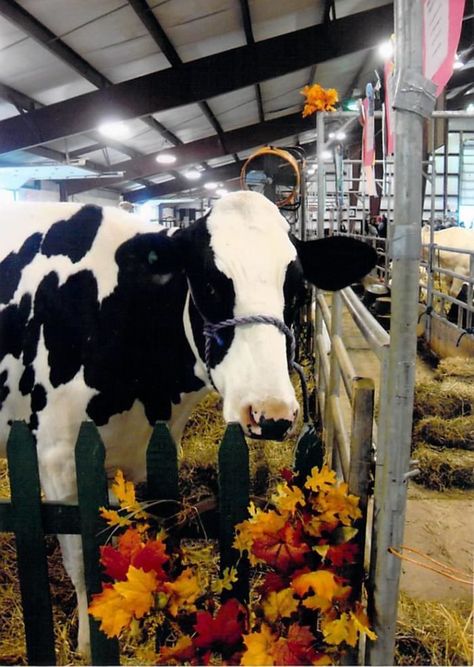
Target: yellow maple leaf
x,y
226,581
325,587
279,604
138,590
343,629
258,647
323,659
182,650
322,480
112,610
287,498
361,622
125,493
183,592
113,518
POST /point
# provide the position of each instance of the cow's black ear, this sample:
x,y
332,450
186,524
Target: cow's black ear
x,y
335,262
154,252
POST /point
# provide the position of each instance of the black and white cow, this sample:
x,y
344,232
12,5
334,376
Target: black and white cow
x,y
102,315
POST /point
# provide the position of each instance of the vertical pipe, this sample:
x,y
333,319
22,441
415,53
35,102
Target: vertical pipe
x,y
334,380
391,481
320,116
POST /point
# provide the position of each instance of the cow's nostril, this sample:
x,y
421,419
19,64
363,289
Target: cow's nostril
x,y
275,429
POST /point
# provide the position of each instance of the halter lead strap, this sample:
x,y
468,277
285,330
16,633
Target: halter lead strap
x,y
211,330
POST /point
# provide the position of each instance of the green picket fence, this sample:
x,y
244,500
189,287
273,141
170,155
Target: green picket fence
x,y
31,519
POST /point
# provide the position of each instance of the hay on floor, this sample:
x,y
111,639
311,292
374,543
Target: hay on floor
x,y
446,468
455,367
439,432
433,633
434,399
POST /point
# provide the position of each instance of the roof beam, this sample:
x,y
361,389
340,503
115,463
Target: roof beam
x,y
199,79
151,23
15,13
181,184
237,140
247,21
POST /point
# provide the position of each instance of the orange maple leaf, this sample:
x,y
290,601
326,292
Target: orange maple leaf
x,y
283,550
183,592
226,628
130,543
138,590
110,608
182,652
258,647
361,622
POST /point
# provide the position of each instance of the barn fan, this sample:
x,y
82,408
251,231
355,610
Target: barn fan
x,y
275,173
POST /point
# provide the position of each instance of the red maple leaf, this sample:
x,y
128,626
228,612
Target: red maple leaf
x,y
272,583
297,648
152,557
342,553
226,628
282,550
115,564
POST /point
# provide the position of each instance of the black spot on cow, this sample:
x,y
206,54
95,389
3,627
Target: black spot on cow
x,y
13,321
68,314
12,266
73,237
33,422
38,398
27,380
4,388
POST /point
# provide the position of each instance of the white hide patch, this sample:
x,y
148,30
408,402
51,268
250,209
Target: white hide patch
x,y
251,246
21,220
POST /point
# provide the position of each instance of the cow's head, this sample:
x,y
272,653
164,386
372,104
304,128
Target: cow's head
x,y
240,261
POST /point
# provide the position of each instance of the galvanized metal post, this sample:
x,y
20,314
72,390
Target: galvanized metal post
x,y
391,479
320,117
334,382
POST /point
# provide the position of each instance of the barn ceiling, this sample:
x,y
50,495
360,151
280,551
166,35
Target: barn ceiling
x,y
210,79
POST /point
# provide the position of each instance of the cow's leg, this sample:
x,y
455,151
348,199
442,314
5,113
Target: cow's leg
x,y
58,480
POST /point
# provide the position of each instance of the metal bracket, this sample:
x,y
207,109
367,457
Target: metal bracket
x,y
415,93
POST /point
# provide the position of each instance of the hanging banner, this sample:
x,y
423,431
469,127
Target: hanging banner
x,y
442,22
389,117
368,140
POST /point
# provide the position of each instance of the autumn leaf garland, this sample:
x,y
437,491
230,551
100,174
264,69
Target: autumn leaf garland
x,y
304,612
319,99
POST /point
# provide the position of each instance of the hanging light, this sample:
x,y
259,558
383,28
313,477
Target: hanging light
x,y
385,49
210,185
115,130
192,174
166,158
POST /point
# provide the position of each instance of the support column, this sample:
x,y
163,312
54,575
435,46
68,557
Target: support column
x,y
394,458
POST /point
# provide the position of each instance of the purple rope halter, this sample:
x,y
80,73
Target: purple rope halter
x,y
211,330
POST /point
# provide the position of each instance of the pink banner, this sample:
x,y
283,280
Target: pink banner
x,y
442,22
388,108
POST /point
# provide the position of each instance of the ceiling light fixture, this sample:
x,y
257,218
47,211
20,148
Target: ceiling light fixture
x,y
115,130
340,135
166,158
210,185
385,50
192,174
326,155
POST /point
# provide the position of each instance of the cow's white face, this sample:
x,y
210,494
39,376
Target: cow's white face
x,y
251,252
239,262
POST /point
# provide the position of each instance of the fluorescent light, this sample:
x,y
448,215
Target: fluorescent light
x,y
210,185
351,105
340,135
192,174
385,50
326,155
470,108
221,192
166,158
115,130
331,135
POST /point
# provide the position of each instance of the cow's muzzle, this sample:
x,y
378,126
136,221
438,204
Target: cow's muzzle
x,y
268,424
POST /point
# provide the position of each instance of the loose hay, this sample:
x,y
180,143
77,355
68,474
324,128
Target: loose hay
x,y
439,432
433,633
455,367
434,399
446,468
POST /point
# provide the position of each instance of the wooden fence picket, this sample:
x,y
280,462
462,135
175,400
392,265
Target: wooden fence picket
x,y
93,494
30,545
